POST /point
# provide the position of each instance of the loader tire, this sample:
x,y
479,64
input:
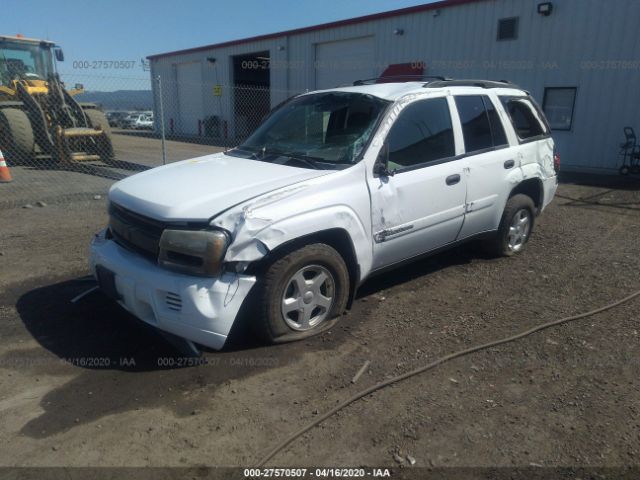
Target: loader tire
x,y
104,144
16,134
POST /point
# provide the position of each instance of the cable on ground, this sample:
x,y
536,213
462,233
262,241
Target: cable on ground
x,y
461,353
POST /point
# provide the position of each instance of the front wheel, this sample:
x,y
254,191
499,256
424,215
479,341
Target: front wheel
x,y
103,144
515,226
303,294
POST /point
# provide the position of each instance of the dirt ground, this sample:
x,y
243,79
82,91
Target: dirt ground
x,y
85,384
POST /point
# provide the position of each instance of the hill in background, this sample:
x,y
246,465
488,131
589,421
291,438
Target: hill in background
x,y
119,99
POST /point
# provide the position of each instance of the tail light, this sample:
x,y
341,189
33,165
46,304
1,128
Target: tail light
x,y
556,161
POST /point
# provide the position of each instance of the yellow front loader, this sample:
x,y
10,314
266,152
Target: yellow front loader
x,y
39,118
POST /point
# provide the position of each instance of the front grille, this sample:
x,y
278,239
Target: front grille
x,y
142,234
135,232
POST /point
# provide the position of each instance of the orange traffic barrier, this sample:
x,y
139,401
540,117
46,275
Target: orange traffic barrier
x,y
5,175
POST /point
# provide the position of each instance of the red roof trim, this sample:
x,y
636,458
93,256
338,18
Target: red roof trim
x,y
396,72
323,26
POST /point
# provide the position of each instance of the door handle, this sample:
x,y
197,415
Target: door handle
x,y
509,164
453,179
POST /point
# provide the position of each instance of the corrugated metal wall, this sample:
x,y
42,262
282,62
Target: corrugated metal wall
x,y
583,44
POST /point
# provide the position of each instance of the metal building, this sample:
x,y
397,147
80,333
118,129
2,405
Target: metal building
x,y
579,58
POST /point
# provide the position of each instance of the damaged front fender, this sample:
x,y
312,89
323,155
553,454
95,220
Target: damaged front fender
x,y
267,222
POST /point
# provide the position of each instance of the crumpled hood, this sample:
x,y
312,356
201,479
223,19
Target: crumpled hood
x,y
198,189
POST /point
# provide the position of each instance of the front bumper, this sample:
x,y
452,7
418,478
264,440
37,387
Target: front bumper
x,y
198,309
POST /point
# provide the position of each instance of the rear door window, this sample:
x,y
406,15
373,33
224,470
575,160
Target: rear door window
x,y
497,129
482,128
476,128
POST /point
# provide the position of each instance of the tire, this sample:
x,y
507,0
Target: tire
x,y
16,133
104,145
520,210
289,311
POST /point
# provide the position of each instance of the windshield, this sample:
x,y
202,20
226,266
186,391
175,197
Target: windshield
x,y
24,61
318,130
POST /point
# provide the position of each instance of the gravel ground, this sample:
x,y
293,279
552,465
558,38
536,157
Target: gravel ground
x,y
567,396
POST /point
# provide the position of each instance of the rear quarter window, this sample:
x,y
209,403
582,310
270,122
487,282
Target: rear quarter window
x,y
526,117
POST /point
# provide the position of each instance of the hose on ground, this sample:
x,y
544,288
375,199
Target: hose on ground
x,y
461,353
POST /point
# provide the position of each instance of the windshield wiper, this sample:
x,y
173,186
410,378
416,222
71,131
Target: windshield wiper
x,y
306,159
264,152
253,155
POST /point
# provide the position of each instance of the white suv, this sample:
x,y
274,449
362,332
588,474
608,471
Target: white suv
x,y
335,186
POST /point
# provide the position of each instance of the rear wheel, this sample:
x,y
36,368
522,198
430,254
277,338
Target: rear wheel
x,y
103,144
515,227
302,294
16,134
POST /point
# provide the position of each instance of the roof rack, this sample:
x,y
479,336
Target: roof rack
x,y
398,78
471,83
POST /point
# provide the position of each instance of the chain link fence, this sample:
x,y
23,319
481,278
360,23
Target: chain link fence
x,y
74,140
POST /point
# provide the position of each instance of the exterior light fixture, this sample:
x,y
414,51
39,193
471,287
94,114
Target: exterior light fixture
x,y
398,31
545,8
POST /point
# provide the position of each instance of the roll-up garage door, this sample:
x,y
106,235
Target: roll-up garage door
x,y
344,61
189,86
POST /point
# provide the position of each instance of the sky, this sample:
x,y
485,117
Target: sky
x,y
93,34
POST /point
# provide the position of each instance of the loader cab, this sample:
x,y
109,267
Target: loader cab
x,y
25,60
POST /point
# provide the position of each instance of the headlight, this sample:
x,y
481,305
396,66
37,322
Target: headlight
x,y
193,252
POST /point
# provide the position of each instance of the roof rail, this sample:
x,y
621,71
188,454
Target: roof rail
x,y
472,83
398,78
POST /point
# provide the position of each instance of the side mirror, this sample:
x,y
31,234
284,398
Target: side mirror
x,y
59,54
381,167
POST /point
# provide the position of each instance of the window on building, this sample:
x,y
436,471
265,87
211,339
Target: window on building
x,y
558,106
481,125
421,134
525,118
508,28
